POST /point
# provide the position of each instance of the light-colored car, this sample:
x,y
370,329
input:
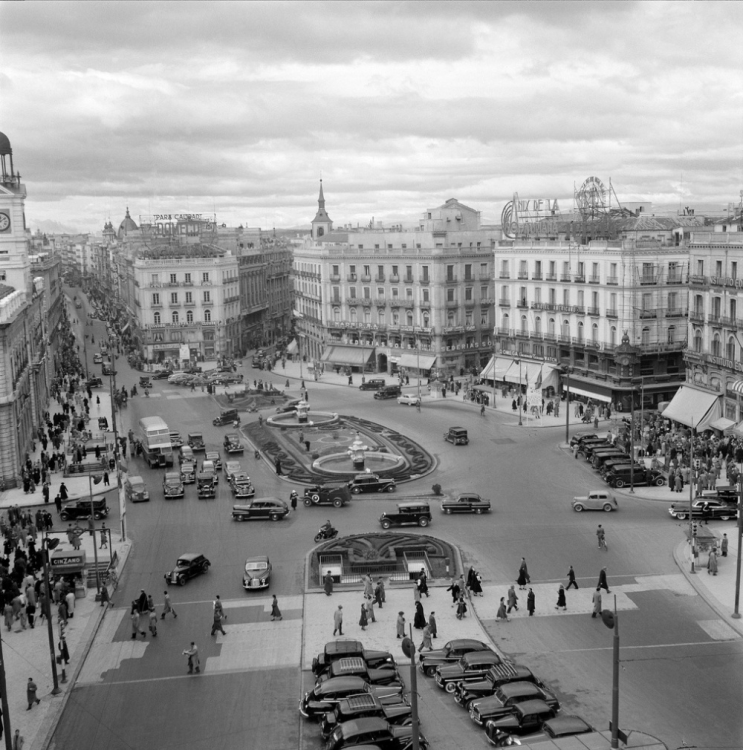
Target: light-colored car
x,y
257,573
97,359
596,500
208,467
231,468
411,399
186,455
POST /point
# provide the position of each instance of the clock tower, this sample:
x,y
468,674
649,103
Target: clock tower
x,y
15,267
321,224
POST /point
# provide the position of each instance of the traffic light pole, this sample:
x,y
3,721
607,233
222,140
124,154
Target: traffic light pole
x,y
692,538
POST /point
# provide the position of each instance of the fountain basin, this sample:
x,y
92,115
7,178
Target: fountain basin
x,y
315,419
340,463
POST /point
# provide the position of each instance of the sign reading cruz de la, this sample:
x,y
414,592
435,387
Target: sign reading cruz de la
x,y
522,217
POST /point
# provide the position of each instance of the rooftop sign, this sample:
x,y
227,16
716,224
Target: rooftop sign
x,y
522,217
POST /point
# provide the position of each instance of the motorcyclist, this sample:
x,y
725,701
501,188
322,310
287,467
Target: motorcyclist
x,y
327,528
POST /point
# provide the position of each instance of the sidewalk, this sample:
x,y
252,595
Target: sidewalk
x,y
27,654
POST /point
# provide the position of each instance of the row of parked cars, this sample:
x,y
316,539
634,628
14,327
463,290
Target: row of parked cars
x,y
503,698
613,463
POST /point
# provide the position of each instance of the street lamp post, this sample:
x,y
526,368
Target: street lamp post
x,y
48,544
122,505
98,479
4,698
520,395
692,540
567,405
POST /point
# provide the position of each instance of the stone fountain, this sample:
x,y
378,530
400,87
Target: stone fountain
x,y
357,452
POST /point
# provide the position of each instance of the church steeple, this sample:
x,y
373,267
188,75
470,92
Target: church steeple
x,y
322,223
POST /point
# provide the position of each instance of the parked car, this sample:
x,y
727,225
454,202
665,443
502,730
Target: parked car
x,y
472,666
257,573
187,566
457,436
724,493
373,384
621,477
186,455
563,725
188,472
471,690
175,439
226,416
411,399
173,485
361,706
527,718
261,508
389,391
369,482
451,652
586,447
599,458
94,382
373,732
97,359
161,375
196,441
232,443
332,493
407,514
206,487
579,437
595,500
505,698
346,648
215,458
135,490
80,509
706,509
323,697
618,463
231,468
467,502
241,485
355,665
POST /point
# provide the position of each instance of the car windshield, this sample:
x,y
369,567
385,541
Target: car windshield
x,y
138,486
172,480
256,566
183,562
195,436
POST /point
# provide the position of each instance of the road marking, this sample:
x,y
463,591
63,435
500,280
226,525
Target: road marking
x,y
718,629
625,648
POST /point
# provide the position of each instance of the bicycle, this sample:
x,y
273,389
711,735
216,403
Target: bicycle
x,y
602,544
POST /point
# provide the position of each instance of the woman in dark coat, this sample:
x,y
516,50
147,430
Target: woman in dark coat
x,y
461,608
328,583
561,602
454,588
476,585
363,619
419,621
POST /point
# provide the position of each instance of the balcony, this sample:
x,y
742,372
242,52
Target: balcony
x,y
380,301
543,306
379,278
727,321
611,312
647,314
504,302
612,280
579,278
174,304
523,274
697,280
593,311
563,339
452,303
352,300
504,275
551,277
648,279
394,279
549,336
594,279
484,276
366,301
335,277
522,303
469,303
504,332
696,316
565,277
193,304
486,301
675,278
407,280
536,276
714,320
424,280
676,312
451,279
366,278
351,277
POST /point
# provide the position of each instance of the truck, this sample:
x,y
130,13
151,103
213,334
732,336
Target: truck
x,y
154,437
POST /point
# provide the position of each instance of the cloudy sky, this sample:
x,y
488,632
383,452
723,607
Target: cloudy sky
x,y
239,108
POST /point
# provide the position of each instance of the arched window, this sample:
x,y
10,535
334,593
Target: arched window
x,y
426,318
367,315
174,316
189,316
698,340
157,318
538,324
595,333
730,349
580,331
716,345
524,324
504,322
352,314
409,317
396,318
613,335
671,333
715,383
336,313
381,316
551,325
645,336
566,328
207,316
449,317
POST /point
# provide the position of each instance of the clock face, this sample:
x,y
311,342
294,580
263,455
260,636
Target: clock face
x,y
624,361
4,222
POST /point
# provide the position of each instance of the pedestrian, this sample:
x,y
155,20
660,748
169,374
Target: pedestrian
x,y
64,652
368,586
571,578
277,466
596,599
531,602
561,600
18,740
461,607
167,607
712,563
142,605
523,574
400,625
275,611
70,601
416,592
293,500
63,491
328,583
602,584
217,622
422,582
379,593
369,604
153,622
426,642
502,614
363,621
194,663
31,693
338,620
512,600
419,619
476,585
455,590
217,604
724,545
432,624
134,617
58,503
104,537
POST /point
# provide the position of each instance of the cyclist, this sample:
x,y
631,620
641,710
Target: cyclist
x,y
601,537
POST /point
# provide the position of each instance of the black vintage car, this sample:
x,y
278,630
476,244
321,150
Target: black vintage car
x,y
504,700
526,718
344,648
232,443
81,509
355,665
206,486
452,652
332,493
261,508
407,514
706,509
457,436
472,666
369,482
144,382
323,697
373,732
226,416
580,437
472,690
467,502
361,706
94,382
621,476
196,441
187,566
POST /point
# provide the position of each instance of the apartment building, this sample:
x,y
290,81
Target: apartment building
x,y
566,306
383,299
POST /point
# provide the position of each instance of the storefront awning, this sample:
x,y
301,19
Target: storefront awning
x,y
527,373
722,424
501,368
417,361
596,391
693,407
574,390
355,356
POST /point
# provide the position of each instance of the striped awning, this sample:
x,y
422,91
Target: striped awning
x,y
737,387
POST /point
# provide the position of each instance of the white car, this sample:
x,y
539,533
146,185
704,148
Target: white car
x,y
231,468
97,359
596,500
408,398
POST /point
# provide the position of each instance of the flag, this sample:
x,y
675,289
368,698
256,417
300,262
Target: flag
x,y
538,384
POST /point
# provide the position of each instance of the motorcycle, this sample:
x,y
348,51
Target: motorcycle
x,y
325,534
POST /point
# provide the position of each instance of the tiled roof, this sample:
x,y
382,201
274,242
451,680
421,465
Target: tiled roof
x,y
5,290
